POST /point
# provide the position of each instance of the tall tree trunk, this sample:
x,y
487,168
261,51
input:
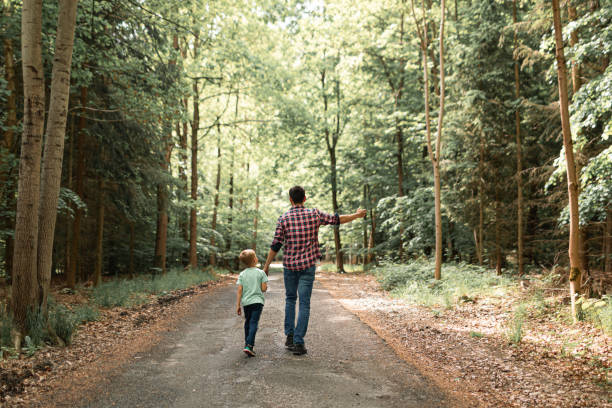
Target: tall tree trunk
x,y
435,159
519,154
97,278
213,254
8,140
498,250
334,186
607,252
193,222
184,218
131,267
255,218
69,183
7,147
71,274
365,224
572,182
231,181
481,195
371,240
576,84
26,226
54,145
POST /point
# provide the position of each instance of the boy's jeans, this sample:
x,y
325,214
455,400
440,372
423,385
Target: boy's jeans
x,y
298,284
251,321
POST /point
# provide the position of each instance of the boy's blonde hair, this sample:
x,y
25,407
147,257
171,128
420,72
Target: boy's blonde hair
x,y
248,257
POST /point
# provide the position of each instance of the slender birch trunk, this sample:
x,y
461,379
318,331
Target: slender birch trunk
x,y
572,182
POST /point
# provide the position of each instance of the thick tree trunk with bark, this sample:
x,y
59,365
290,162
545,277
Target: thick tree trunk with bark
x,y
24,276
54,145
7,146
572,181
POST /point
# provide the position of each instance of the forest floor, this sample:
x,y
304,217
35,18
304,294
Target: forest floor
x,y
56,373
465,351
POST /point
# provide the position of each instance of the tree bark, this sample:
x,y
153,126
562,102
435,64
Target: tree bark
x,y
24,276
436,162
132,239
193,222
97,278
213,241
519,154
607,252
572,182
7,146
254,246
54,145
71,273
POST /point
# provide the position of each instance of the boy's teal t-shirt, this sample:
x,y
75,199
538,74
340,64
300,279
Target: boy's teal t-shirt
x,y
251,280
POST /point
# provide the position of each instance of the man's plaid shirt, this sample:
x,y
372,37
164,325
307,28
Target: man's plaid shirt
x,y
298,231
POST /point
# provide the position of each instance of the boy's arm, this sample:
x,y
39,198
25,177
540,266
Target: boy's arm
x,y
238,297
264,286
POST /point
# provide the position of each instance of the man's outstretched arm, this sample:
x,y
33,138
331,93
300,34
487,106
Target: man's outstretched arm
x,y
269,259
360,213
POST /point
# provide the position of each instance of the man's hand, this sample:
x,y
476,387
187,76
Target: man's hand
x,y
361,213
238,310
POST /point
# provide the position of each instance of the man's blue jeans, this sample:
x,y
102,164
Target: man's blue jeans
x,y
298,285
251,321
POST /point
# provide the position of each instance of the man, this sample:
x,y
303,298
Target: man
x,y
298,231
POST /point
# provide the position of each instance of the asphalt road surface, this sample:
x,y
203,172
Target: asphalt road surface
x,y
202,364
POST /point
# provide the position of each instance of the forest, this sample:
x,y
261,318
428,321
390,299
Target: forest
x,y
145,143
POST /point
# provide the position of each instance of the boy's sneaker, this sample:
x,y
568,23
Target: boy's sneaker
x,y
248,350
299,349
289,342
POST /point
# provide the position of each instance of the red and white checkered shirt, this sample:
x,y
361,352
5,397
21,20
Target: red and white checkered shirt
x,y
298,231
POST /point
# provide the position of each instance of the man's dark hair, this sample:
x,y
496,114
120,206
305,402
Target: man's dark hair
x,y
297,194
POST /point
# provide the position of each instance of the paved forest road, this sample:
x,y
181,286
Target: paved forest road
x,y
202,363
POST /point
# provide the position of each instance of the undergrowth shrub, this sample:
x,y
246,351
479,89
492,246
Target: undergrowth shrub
x,y
515,330
63,322
599,312
6,325
460,282
135,291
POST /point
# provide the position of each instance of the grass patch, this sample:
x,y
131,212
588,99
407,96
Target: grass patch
x,y
136,291
460,283
476,335
598,312
515,331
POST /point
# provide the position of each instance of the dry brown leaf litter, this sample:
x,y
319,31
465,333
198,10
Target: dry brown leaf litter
x,y
57,376
486,371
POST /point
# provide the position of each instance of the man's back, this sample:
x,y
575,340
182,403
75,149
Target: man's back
x,y
298,231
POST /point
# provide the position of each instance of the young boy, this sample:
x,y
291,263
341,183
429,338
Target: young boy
x,y
252,282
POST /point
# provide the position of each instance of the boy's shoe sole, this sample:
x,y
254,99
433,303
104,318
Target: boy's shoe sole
x,y
299,350
249,352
